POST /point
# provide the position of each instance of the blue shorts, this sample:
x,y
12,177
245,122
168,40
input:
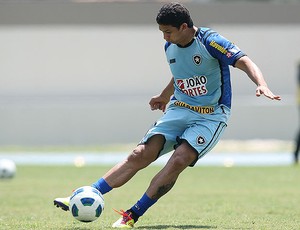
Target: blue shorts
x,y
201,131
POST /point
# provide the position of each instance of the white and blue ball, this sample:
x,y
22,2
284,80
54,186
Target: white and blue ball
x,y
86,204
7,169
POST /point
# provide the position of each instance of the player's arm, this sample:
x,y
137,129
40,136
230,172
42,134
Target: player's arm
x,y
251,69
160,101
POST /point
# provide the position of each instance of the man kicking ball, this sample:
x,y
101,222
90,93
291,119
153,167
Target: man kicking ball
x,y
199,103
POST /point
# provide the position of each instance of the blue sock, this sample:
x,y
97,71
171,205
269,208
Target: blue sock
x,y
142,205
102,186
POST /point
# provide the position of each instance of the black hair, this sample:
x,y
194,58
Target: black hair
x,y
174,14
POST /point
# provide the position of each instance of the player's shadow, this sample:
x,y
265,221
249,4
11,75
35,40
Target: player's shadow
x,y
176,227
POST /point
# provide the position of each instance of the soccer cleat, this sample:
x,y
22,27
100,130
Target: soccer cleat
x,y
62,203
126,221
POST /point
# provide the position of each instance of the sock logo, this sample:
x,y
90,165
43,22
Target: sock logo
x,y
137,207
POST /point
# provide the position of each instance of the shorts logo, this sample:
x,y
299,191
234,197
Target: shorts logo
x,y
200,140
197,59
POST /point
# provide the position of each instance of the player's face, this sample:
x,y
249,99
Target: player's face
x,y
172,34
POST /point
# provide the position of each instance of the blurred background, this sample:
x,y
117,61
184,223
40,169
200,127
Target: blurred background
x,y
80,73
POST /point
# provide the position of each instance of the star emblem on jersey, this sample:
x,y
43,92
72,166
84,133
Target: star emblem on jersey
x,y
197,59
200,140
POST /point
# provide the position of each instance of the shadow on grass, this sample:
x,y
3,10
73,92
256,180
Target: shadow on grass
x,y
176,227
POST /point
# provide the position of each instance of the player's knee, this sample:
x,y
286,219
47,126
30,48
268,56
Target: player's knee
x,y
138,158
137,154
182,160
146,153
179,162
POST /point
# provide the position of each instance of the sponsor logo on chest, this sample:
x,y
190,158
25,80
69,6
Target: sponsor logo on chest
x,y
194,86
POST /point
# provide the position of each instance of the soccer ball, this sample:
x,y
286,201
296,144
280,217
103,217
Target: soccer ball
x,y
7,168
86,204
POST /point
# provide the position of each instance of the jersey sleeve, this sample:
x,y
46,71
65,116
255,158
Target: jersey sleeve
x,y
221,48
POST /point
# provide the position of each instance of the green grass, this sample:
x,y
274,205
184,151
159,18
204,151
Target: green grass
x,y
203,198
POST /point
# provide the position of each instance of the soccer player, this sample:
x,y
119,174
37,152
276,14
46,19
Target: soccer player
x,y
199,101
297,146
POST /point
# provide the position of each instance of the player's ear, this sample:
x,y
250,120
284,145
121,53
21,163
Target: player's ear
x,y
183,27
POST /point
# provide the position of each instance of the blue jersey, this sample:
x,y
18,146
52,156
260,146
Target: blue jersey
x,y
201,69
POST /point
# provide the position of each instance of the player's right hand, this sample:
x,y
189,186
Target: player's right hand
x,y
158,102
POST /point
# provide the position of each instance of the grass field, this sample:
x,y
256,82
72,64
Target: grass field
x,y
203,198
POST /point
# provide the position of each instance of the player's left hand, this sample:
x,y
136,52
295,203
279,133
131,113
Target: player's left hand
x,y
264,90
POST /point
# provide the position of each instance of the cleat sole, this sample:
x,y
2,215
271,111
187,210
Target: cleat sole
x,y
61,205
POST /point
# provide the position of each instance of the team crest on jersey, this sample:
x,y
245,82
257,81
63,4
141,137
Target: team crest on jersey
x,y
197,59
200,140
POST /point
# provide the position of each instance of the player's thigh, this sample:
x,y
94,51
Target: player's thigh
x,y
170,125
